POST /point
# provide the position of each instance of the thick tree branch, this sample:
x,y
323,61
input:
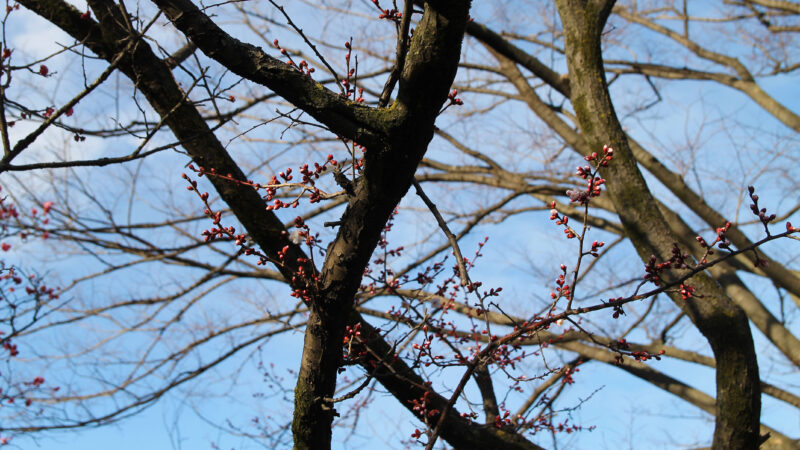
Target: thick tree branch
x,y
503,47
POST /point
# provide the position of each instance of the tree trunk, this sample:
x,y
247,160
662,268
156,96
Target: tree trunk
x,y
725,326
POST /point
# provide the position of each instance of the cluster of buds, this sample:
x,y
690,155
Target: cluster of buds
x,y
420,407
645,356
305,278
389,14
618,311
7,211
218,231
594,182
453,98
761,213
721,240
10,347
567,375
304,275
348,88
37,224
653,268
309,176
281,255
423,348
303,233
36,287
469,415
29,386
352,333
272,189
493,292
621,343
428,275
11,274
621,346
303,67
604,159
354,343
563,289
49,292
686,291
638,356
38,381
562,220
503,357
471,286
678,260
594,251
504,420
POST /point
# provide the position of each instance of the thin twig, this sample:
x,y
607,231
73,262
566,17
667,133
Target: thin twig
x,y
353,393
462,269
308,42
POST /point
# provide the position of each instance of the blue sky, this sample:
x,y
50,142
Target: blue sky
x,y
617,403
